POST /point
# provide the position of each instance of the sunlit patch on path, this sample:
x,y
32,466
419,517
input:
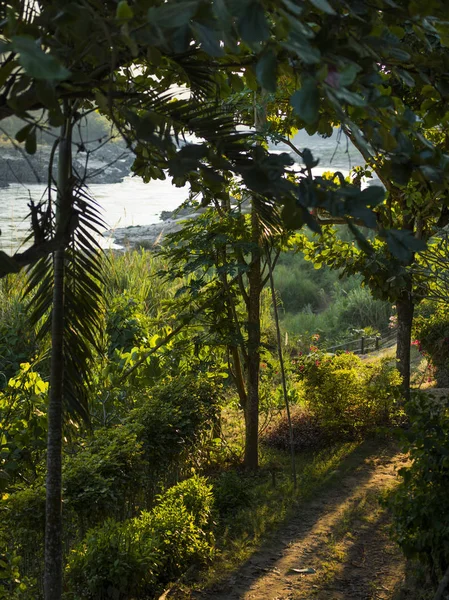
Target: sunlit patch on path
x,y
336,547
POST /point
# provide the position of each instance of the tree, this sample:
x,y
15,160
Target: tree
x,y
136,53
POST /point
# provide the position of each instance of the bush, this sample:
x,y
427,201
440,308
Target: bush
x,y
106,476
175,417
359,309
127,324
420,504
197,497
22,525
134,558
112,562
347,395
17,339
231,493
432,333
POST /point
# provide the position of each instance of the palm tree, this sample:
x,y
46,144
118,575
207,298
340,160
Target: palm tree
x,y
68,304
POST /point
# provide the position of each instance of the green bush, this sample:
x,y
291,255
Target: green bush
x,y
22,525
231,493
127,324
348,395
432,333
175,417
134,558
359,309
17,339
197,497
420,504
112,562
106,476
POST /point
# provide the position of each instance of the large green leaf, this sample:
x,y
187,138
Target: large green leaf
x,y
306,101
266,71
173,14
253,25
324,6
37,63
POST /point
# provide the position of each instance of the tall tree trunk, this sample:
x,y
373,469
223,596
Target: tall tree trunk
x,y
251,460
404,308
53,514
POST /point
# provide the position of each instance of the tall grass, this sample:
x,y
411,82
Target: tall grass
x,y
136,273
17,338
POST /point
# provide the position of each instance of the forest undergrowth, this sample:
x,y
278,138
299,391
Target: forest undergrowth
x,y
155,499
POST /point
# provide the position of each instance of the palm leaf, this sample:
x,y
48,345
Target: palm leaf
x,y
84,301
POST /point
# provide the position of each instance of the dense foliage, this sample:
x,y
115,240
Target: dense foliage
x,y
420,505
431,331
151,431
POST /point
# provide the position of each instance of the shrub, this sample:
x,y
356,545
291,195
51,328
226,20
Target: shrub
x,y
360,309
197,497
127,324
420,504
348,395
112,562
22,523
134,558
175,417
432,333
17,338
105,477
231,493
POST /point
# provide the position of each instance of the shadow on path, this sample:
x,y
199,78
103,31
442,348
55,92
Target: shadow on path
x,y
340,536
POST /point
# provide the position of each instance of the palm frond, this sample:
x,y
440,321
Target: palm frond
x,y
84,301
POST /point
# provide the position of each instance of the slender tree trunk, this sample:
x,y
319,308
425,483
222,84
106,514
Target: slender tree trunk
x,y
281,363
251,460
53,515
239,378
404,308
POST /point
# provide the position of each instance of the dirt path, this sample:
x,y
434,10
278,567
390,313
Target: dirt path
x,y
336,547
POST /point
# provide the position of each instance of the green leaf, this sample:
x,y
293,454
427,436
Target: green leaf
x,y
253,25
306,101
348,74
23,133
432,173
31,143
350,97
46,93
372,195
172,15
124,11
298,43
292,7
403,244
208,39
266,71
36,62
324,6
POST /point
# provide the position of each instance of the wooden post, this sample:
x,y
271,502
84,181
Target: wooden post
x,y
362,345
377,341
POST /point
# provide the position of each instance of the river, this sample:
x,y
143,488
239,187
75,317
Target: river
x,y
133,202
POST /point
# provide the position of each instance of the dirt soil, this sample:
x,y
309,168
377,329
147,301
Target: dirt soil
x,y
336,547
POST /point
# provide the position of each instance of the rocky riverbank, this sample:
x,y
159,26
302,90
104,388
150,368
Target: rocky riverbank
x,y
148,236
151,236
108,164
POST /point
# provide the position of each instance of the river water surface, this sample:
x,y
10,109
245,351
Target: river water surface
x,y
133,202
